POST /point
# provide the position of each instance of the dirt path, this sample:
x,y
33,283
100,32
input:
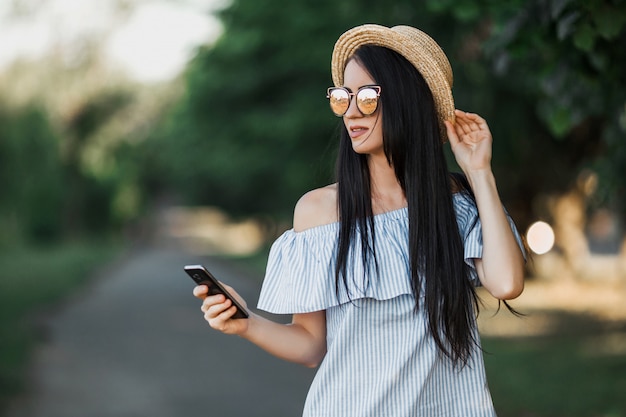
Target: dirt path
x,y
134,344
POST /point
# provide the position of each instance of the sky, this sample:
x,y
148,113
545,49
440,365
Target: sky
x,y
151,40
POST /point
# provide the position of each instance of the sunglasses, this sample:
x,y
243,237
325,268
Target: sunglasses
x,y
366,99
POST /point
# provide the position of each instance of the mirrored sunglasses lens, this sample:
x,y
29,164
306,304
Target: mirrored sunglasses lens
x,y
339,101
367,100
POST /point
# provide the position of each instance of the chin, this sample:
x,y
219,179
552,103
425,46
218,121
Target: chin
x,y
367,150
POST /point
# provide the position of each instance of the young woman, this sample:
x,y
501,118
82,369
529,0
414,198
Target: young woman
x,y
379,269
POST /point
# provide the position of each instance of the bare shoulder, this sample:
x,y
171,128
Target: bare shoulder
x,y
316,208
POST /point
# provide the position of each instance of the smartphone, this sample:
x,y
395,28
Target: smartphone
x,y
202,276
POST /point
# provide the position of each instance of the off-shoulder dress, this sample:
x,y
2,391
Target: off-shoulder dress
x,y
380,360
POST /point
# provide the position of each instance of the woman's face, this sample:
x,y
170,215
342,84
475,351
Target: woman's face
x,y
366,132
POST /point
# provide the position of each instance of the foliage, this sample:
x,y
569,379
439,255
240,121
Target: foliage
x,y
31,175
576,375
551,86
71,160
253,132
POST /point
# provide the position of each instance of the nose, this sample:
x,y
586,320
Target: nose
x,y
353,110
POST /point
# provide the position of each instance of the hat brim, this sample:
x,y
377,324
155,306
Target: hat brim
x,y
416,46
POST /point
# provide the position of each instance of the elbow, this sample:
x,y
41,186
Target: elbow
x,y
312,365
510,288
505,281
510,293
314,361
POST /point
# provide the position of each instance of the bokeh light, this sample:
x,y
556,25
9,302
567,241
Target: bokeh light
x,y
540,237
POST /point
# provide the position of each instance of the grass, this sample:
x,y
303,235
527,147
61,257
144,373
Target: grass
x,y
575,372
31,280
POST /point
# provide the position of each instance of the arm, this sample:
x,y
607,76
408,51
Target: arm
x,y
501,269
303,341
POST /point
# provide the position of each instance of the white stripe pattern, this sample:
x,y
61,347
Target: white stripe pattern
x,y
380,359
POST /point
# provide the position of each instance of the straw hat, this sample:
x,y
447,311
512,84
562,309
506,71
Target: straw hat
x,y
416,46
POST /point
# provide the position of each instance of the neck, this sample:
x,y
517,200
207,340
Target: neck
x,y
387,193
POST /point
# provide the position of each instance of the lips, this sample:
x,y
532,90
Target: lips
x,y
357,131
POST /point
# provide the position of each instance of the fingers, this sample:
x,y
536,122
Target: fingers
x,y
466,115
216,302
464,122
200,291
218,313
219,310
452,136
217,321
469,121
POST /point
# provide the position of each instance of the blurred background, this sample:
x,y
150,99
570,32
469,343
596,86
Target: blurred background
x,y
125,124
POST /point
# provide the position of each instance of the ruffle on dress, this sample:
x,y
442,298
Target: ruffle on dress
x,y
300,274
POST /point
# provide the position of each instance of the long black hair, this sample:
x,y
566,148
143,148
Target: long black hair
x,y
413,146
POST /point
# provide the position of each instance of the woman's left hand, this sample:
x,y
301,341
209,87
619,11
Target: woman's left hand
x,y
470,139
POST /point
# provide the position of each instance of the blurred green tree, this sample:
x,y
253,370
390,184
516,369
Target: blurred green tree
x,y
252,132
558,66
87,206
71,156
31,176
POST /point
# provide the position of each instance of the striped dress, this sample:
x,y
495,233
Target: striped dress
x,y
380,359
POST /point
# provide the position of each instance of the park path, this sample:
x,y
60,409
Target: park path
x,y
134,343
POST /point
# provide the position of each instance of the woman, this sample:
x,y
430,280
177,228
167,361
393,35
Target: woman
x,y
379,269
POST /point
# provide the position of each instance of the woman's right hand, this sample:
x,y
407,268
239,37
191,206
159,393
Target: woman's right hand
x,y
218,310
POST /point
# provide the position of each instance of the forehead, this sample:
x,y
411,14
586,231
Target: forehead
x,y
355,75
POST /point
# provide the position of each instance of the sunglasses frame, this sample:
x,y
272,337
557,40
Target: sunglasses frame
x,y
374,87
